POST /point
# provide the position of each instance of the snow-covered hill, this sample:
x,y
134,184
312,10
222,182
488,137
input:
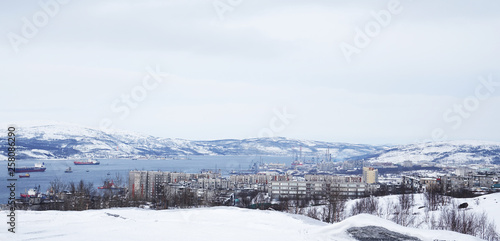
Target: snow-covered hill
x,y
219,223
461,152
482,211
63,140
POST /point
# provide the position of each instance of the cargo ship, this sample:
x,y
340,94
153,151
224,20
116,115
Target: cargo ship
x,y
33,192
88,162
39,167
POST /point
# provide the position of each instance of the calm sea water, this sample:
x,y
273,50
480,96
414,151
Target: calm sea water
x,y
98,173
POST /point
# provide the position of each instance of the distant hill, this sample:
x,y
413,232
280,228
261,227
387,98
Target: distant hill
x,y
62,140
459,152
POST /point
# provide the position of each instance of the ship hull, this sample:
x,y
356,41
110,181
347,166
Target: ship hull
x,y
30,169
86,163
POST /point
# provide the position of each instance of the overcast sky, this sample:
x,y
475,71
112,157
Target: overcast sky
x,y
375,72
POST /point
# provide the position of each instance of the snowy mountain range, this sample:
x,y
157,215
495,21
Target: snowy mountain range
x,y
63,140
458,152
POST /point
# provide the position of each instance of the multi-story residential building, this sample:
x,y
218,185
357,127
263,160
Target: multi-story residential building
x,y
258,178
299,189
428,181
332,178
370,175
471,182
316,189
147,185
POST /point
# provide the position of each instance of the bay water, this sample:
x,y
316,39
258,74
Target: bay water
x,y
111,168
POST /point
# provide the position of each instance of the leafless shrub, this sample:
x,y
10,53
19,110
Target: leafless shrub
x,y
313,213
433,197
467,222
403,214
368,205
335,208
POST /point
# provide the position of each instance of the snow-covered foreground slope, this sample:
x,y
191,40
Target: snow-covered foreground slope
x,y
489,204
220,223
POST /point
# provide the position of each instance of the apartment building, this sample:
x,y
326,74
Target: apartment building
x,y
316,189
370,175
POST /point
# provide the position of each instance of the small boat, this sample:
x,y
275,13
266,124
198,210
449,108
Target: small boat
x,y
24,175
87,162
68,170
87,171
108,174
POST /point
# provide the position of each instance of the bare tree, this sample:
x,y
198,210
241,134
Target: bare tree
x,y
433,197
57,186
403,210
118,181
313,213
467,222
284,203
334,211
368,205
82,196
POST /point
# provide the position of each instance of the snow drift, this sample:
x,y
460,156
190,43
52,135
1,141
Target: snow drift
x,y
219,223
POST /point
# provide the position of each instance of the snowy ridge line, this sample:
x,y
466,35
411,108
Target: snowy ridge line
x,y
458,152
58,140
74,141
